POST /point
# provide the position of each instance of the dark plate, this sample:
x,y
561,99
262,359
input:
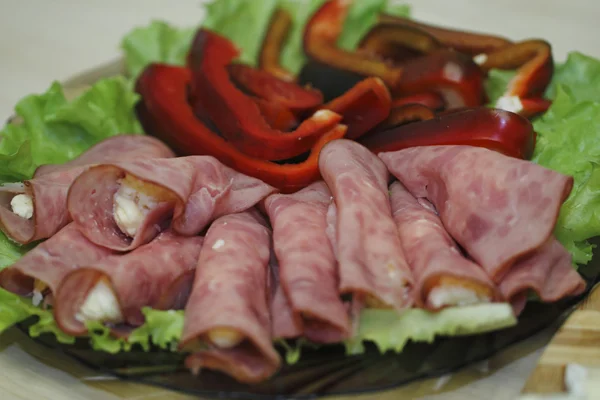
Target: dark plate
x,y
327,371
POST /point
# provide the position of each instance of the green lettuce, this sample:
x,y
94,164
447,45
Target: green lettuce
x,y
54,130
580,74
568,142
157,42
245,23
390,331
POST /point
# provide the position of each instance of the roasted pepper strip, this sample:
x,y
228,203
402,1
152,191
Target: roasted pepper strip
x,y
363,107
451,74
499,130
432,100
466,42
272,45
533,58
405,114
320,43
165,113
236,116
397,43
534,106
272,89
277,116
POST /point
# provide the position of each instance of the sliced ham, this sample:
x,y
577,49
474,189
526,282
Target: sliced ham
x,y
496,207
443,275
285,323
307,266
367,245
158,275
227,322
186,193
46,194
115,148
49,262
548,272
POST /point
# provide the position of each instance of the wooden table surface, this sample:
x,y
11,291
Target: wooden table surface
x,y
43,40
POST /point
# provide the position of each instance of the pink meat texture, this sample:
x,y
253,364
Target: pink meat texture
x,y
307,265
496,207
230,290
51,261
202,187
51,183
548,272
430,251
158,275
367,245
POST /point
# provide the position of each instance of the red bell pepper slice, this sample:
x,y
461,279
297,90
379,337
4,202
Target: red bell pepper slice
x,y
533,58
277,116
362,107
320,43
466,42
499,130
405,114
431,100
236,116
451,74
165,113
397,43
270,52
272,89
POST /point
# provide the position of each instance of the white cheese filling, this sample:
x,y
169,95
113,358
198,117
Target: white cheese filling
x,y
22,205
101,304
130,208
225,338
510,103
454,295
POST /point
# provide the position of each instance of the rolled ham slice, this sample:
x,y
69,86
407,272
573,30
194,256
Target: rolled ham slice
x,y
124,205
37,208
49,262
227,322
308,274
285,322
443,275
158,275
548,272
367,245
496,207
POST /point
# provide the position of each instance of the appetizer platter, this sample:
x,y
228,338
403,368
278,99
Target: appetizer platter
x,y
345,200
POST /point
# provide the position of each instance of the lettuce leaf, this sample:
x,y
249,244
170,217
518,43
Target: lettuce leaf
x,y
53,130
392,332
567,142
581,74
245,22
157,42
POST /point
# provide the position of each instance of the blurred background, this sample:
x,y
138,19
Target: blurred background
x,y
42,40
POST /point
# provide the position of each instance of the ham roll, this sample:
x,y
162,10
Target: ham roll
x,y
548,272
40,271
497,208
37,208
158,275
308,277
227,322
372,265
285,323
124,205
443,276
